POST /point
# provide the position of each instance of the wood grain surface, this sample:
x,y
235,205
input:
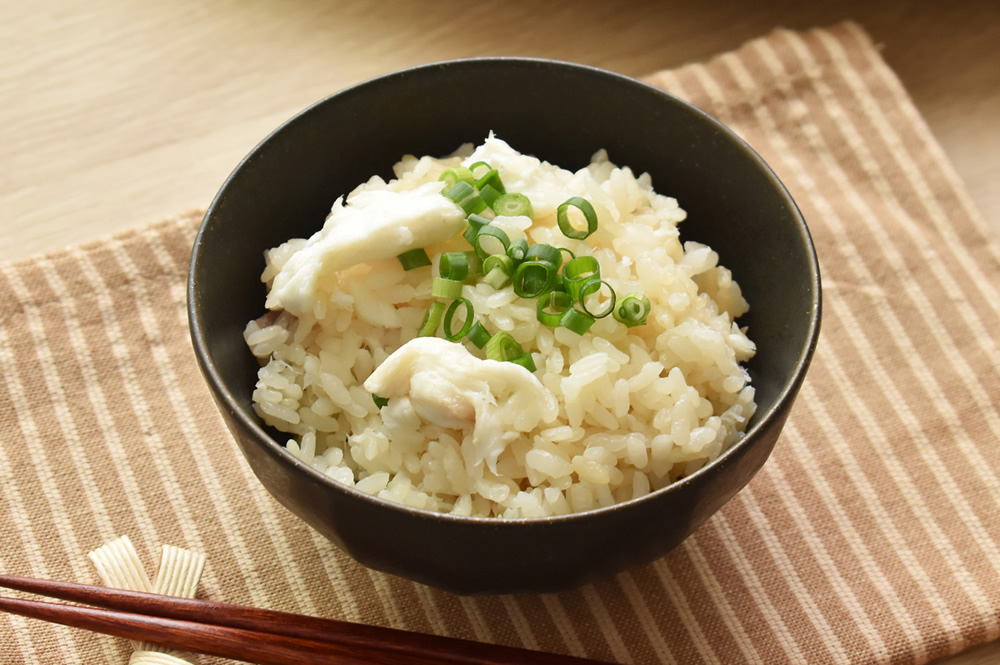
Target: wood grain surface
x,y
117,113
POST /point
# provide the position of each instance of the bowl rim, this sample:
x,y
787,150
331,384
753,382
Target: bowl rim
x,y
275,449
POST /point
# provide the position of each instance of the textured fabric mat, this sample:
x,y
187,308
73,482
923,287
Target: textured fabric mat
x,y
870,536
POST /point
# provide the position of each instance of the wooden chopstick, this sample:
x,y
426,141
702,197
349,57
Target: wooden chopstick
x,y
233,643
266,637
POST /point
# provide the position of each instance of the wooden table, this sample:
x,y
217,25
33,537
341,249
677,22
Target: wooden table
x,y
117,113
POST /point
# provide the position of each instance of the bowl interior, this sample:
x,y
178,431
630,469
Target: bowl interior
x,y
561,114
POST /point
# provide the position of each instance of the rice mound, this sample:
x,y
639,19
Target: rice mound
x,y
638,408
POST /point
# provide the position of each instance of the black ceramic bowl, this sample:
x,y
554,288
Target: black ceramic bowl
x,y
561,113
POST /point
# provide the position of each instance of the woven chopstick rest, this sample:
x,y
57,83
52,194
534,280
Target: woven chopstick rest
x,y
178,574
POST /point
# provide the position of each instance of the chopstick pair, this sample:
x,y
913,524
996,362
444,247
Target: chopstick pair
x,y
265,637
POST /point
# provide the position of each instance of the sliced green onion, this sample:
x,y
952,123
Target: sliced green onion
x,y
518,248
499,269
562,217
379,401
503,347
577,321
450,314
551,306
490,194
476,222
415,258
633,309
475,167
525,361
543,252
497,278
532,278
457,175
578,272
465,195
478,335
450,289
475,264
591,286
501,261
491,179
568,251
454,265
487,240
432,319
513,205
459,191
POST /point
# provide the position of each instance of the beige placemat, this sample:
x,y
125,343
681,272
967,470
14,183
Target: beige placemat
x,y
871,536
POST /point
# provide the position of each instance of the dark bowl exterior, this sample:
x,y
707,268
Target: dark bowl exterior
x,y
561,113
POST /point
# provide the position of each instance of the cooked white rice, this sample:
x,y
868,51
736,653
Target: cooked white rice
x,y
638,407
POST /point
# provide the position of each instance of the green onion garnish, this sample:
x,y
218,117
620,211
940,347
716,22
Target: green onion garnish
x,y
551,306
543,252
577,273
633,310
475,167
501,261
379,401
593,285
460,191
513,205
450,314
562,217
517,249
478,335
450,289
465,196
525,361
491,179
454,265
490,240
456,175
415,258
475,264
499,269
476,222
432,319
537,271
532,278
489,194
497,278
503,347
576,321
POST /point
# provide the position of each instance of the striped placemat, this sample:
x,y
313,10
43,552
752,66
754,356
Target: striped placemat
x,y
871,535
